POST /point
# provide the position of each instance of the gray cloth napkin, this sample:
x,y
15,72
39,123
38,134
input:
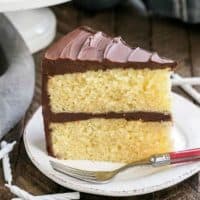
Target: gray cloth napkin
x,y
185,10
17,76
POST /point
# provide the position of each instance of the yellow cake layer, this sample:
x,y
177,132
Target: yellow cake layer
x,y
115,140
114,90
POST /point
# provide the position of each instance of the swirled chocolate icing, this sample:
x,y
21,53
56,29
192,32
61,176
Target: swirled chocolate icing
x,y
85,49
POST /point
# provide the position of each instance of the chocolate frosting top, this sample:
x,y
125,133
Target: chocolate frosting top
x,y
86,44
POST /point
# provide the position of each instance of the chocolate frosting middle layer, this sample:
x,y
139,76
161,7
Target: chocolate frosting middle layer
x,y
140,115
85,49
66,116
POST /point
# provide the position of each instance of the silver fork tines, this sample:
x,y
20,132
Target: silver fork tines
x,y
89,176
93,176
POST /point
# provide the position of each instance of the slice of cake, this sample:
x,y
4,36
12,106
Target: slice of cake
x,y
103,100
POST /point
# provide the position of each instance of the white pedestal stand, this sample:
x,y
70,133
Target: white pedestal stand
x,y
37,27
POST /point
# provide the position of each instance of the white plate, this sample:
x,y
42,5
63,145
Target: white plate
x,y
135,181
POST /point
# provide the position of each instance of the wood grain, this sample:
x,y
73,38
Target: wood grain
x,y
100,21
170,38
133,26
194,40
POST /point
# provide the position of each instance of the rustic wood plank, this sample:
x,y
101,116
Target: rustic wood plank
x,y
194,36
170,39
67,17
95,197
134,26
5,194
103,21
30,178
194,181
182,191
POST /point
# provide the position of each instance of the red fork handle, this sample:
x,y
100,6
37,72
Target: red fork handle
x,y
184,156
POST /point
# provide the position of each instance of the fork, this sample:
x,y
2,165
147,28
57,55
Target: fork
x,y
105,176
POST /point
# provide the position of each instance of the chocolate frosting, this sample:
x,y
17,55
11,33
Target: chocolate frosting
x,y
85,49
140,115
101,52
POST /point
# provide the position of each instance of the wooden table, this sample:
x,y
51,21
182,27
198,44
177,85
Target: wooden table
x,y
170,38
